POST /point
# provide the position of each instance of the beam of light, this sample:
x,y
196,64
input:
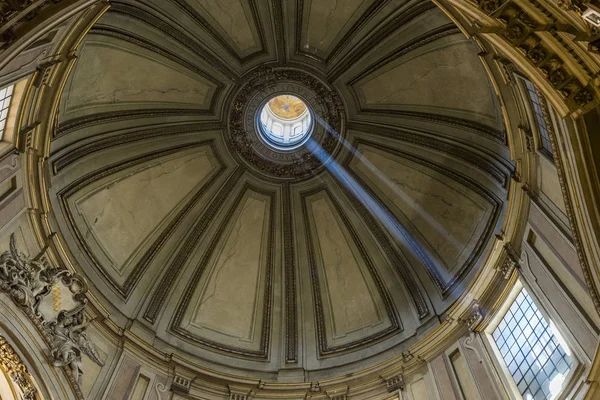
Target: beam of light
x,y
378,211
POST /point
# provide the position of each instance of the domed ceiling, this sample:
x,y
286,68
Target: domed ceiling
x,y
206,242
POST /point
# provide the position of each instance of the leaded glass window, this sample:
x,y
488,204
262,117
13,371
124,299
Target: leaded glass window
x,y
5,96
532,352
536,102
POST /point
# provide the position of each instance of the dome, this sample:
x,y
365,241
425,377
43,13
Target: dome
x,y
265,190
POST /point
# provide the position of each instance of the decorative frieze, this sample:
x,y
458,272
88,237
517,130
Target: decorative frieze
x,y
243,137
338,394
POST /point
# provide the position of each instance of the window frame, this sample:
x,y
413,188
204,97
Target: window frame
x,y
533,117
497,359
10,87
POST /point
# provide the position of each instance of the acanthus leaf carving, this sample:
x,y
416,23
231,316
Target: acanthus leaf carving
x,y
28,281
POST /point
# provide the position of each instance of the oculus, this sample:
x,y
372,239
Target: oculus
x,y
285,122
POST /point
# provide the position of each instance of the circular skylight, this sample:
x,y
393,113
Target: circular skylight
x,y
285,122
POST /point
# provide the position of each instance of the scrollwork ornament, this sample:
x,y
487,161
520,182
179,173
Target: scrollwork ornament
x,y
28,282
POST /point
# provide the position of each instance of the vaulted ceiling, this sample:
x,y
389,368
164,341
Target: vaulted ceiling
x,y
209,245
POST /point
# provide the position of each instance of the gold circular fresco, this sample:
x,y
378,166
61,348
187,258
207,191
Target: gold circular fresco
x,y
287,106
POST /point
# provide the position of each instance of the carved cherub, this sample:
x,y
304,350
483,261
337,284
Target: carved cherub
x,y
70,341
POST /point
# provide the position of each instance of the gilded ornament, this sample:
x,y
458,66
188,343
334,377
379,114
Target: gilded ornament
x,y
11,364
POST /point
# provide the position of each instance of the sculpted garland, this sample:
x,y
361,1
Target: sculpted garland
x,y
42,291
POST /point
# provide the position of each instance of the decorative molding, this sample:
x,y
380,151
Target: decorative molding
x,y
160,388
125,289
474,317
241,137
429,141
281,44
15,14
291,323
174,268
395,383
337,394
208,28
468,343
444,286
90,147
412,45
461,123
175,327
571,215
365,17
407,356
393,256
510,263
86,121
30,283
396,324
240,393
170,30
519,28
413,11
180,384
13,367
129,37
